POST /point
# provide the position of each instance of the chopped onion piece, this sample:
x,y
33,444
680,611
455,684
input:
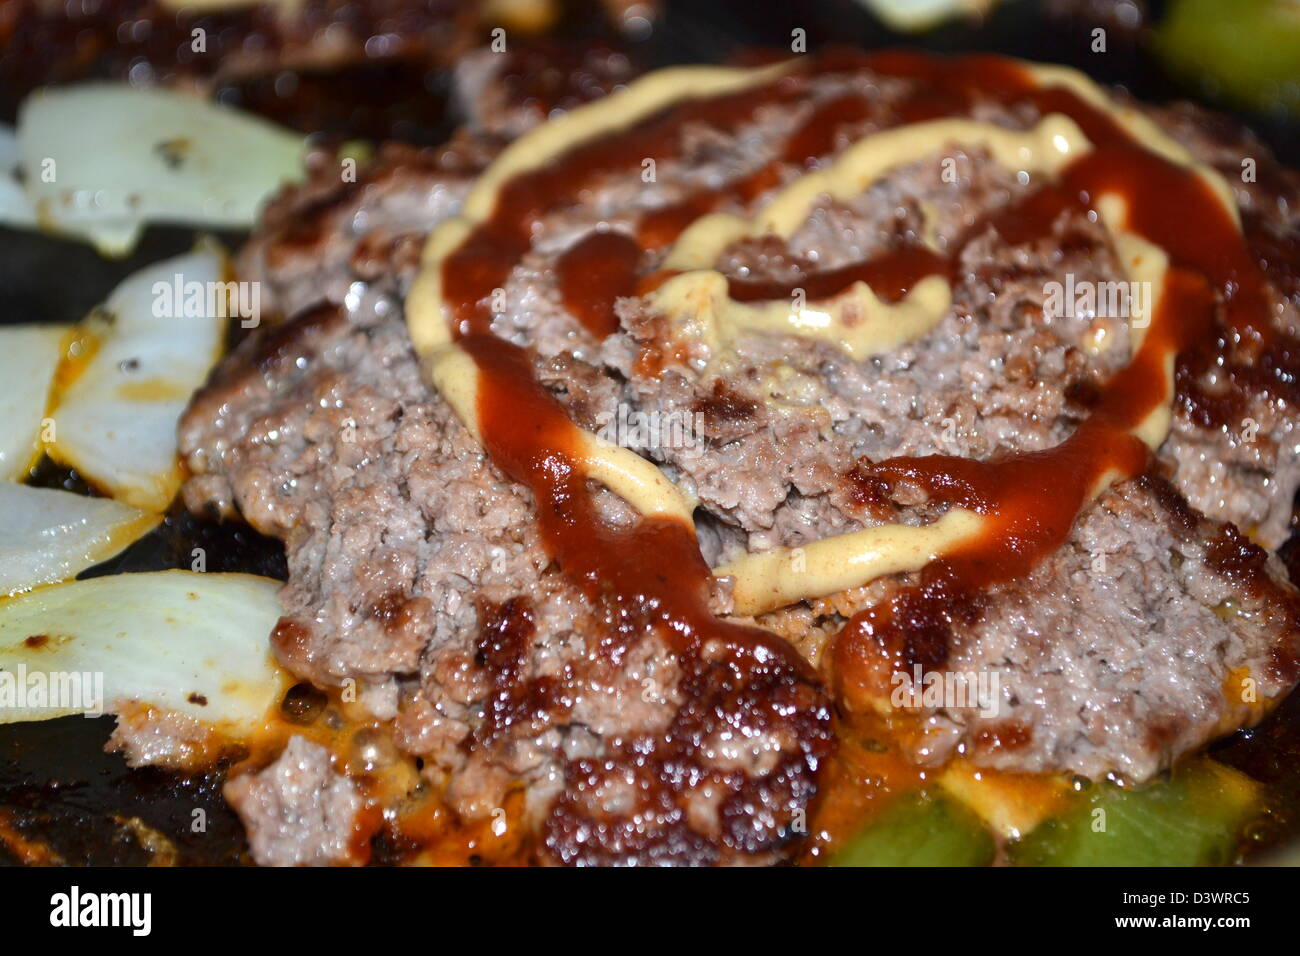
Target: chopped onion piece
x,y
29,354
48,535
116,422
101,159
179,641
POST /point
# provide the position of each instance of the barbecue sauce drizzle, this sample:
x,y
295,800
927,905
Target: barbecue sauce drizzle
x,y
653,575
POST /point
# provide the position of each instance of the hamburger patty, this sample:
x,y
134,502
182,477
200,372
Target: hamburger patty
x,y
420,565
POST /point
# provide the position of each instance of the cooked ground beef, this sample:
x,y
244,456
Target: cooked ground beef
x,y
417,567
149,737
1114,656
353,236
508,93
1243,463
299,810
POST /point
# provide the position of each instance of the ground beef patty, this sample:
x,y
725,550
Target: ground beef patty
x,y
298,810
419,569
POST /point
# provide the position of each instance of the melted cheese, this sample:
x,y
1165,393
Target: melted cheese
x,y
1012,804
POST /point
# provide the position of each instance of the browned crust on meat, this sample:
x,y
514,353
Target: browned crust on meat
x,y
50,42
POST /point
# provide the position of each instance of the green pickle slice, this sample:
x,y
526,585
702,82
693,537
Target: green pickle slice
x,y
926,829
1190,818
1246,52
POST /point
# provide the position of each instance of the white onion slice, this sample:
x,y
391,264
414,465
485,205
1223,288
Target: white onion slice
x,y
29,354
48,535
116,422
179,641
101,159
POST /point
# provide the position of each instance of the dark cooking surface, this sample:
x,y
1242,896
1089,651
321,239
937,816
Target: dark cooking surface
x,y
55,783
